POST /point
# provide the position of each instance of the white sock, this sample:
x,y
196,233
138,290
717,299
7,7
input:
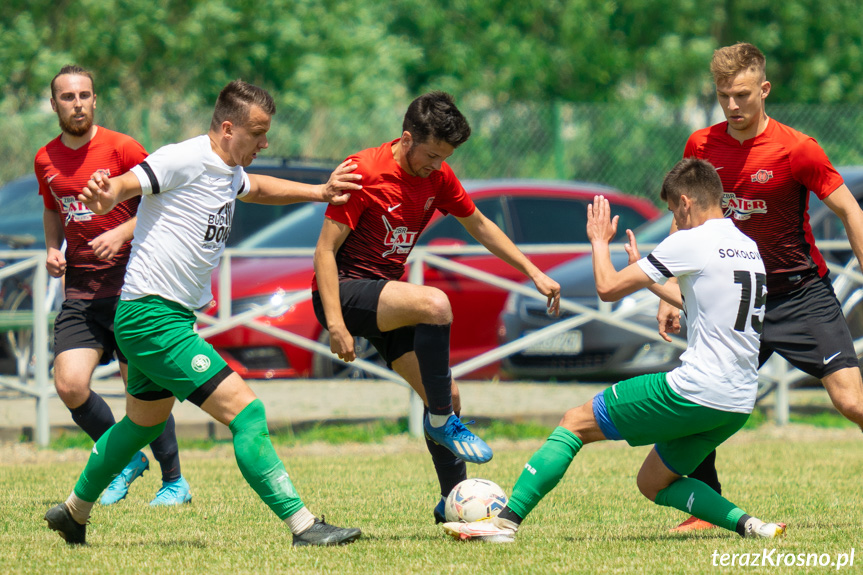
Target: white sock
x,y
300,521
752,524
79,509
439,420
505,523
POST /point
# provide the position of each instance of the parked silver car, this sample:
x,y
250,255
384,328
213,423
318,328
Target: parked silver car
x,y
600,351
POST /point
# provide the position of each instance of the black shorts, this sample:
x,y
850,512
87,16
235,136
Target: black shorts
x,y
807,328
88,324
359,299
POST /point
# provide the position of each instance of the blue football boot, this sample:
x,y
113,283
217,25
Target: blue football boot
x,y
119,487
462,443
173,493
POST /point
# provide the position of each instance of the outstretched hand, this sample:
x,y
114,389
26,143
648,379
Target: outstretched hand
x,y
550,288
631,247
600,225
98,194
337,190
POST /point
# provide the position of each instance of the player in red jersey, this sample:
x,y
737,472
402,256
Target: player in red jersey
x,y
767,170
361,254
93,266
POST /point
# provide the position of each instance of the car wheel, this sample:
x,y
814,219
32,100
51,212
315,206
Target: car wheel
x,y
324,367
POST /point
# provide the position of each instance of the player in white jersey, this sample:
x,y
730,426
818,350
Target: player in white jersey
x,y
184,218
687,412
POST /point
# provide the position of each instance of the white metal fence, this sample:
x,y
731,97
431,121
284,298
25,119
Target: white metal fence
x,y
34,363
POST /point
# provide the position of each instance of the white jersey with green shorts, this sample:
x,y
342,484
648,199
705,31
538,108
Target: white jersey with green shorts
x,y
183,221
188,195
692,409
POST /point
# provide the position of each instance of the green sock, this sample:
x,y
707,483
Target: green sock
x,y
259,463
544,470
696,498
111,454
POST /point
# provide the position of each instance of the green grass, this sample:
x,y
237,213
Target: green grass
x,y
595,521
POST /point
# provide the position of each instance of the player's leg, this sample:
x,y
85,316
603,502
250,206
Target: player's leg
x,y
540,475
143,422
73,369
845,388
451,470
233,403
665,487
428,310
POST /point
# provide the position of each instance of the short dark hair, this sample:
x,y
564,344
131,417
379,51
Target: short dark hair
x,y
434,115
235,101
695,178
730,61
74,70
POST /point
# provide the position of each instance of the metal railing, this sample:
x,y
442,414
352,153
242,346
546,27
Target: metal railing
x,y
776,374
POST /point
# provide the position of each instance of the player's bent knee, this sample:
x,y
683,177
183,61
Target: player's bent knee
x,y
438,307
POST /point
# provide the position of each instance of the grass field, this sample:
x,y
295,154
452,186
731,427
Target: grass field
x,y
594,522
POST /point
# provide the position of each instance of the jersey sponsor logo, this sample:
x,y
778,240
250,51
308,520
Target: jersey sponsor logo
x,y
741,208
399,239
762,176
429,203
391,208
75,211
219,226
200,363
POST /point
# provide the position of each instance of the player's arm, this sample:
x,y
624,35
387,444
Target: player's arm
x,y
54,235
276,191
668,315
492,237
669,292
102,193
843,204
611,285
108,244
333,235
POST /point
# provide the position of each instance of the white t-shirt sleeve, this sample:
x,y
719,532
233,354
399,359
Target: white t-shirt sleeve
x,y
166,169
245,184
673,257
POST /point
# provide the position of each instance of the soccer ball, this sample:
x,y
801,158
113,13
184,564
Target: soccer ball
x,y
474,499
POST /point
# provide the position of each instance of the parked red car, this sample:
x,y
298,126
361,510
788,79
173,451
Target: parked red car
x,y
528,211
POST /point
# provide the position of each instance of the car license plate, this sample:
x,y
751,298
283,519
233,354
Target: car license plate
x,y
569,342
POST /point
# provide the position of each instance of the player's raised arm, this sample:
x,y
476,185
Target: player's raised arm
x,y
611,285
102,193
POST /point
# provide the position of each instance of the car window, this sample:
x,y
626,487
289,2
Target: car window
x,y
249,218
299,229
21,210
561,220
449,228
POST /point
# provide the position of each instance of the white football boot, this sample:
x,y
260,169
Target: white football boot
x,y
484,530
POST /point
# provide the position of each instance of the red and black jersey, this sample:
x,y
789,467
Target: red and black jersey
x,y
62,173
387,216
766,182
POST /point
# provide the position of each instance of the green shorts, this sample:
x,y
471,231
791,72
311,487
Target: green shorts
x,y
646,410
166,356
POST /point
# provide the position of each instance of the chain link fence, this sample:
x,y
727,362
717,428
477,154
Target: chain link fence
x,y
629,146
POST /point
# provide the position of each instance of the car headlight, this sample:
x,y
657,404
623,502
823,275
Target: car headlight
x,y
275,302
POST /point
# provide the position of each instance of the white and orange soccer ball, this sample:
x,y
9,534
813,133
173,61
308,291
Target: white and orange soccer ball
x,y
474,499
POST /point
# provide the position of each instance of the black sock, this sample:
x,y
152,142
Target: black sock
x,y
741,525
431,344
93,416
450,469
706,473
510,515
166,452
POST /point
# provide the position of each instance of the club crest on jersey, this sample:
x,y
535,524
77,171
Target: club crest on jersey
x,y
399,239
741,208
761,176
429,203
